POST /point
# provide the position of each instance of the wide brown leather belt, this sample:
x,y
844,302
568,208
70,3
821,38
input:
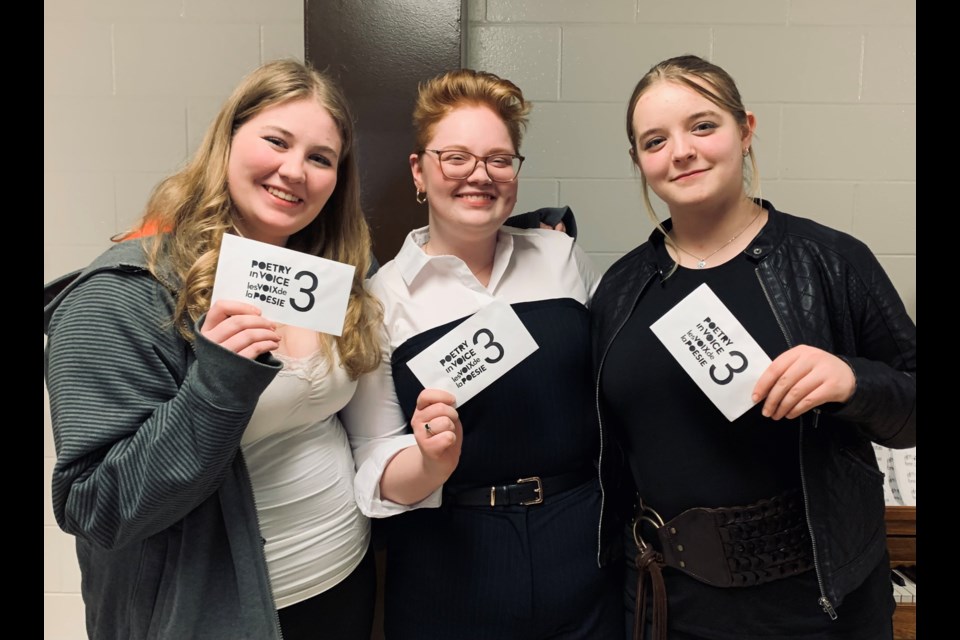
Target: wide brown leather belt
x,y
724,547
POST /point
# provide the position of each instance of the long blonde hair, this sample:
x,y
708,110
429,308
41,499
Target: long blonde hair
x,y
192,210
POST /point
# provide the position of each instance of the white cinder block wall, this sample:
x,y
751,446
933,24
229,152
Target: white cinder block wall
x,y
833,84
130,87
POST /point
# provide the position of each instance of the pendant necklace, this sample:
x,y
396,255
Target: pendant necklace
x,y
702,262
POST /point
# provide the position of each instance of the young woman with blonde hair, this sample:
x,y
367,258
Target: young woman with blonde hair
x,y
770,525
201,463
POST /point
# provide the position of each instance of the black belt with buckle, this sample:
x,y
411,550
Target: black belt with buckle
x,y
525,491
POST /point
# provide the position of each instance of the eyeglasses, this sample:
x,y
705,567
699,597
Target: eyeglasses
x,y
456,164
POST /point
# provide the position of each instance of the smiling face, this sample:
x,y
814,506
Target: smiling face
x,y
282,169
476,206
689,150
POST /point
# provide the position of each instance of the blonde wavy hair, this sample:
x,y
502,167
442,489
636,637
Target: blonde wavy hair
x,y
192,209
440,95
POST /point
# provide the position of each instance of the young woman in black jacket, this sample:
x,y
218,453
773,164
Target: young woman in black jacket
x,y
760,512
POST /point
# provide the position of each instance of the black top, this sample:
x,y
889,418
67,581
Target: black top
x,y
684,453
538,419
678,433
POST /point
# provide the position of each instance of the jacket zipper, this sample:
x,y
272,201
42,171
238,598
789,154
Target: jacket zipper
x,y
824,601
603,358
256,512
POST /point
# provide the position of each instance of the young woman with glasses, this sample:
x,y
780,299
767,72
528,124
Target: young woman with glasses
x,y
495,503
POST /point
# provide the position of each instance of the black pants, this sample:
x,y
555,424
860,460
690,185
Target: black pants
x,y
502,573
344,612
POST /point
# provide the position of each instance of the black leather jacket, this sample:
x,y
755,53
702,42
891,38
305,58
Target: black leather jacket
x,y
827,290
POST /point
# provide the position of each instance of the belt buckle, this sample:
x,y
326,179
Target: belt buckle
x,y
538,490
645,514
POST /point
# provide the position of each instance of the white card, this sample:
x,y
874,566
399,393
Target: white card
x,y
714,349
287,286
477,352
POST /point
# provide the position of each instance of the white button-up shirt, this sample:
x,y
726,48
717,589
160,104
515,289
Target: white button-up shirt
x,y
420,292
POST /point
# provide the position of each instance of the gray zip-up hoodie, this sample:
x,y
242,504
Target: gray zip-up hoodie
x,y
149,476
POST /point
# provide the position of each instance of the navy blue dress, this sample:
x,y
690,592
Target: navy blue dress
x,y
510,572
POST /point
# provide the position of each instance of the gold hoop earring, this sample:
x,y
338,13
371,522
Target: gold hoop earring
x,y
421,196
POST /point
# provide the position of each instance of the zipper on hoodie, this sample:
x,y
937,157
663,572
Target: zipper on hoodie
x,y
256,512
823,601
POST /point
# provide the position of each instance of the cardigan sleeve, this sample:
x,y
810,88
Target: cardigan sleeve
x,y
145,423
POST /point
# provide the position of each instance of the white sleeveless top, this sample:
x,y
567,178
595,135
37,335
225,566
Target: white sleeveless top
x,y
302,471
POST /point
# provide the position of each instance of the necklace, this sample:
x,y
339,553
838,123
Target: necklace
x,y
702,262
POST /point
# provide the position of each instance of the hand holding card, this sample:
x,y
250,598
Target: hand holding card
x,y
714,348
801,379
436,426
287,286
475,353
241,328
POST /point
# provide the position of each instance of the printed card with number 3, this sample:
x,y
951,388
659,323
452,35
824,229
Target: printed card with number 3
x,y
287,286
475,353
711,345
